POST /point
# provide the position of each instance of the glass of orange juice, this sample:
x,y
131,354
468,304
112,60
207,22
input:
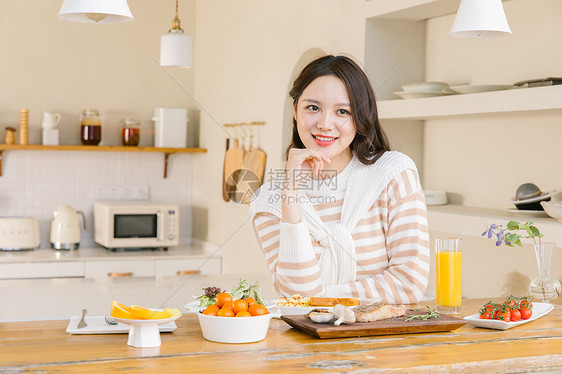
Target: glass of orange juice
x,y
448,275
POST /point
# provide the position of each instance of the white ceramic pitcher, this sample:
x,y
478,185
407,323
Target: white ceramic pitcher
x,y
50,120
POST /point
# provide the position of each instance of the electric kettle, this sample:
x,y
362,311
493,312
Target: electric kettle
x,y
65,228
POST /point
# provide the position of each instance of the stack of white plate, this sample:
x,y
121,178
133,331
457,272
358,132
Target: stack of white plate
x,y
477,88
424,89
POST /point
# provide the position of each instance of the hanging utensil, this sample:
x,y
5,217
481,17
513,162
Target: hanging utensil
x,y
225,193
255,159
234,160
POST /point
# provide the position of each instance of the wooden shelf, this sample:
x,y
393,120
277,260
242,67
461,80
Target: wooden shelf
x,y
519,100
472,221
98,148
415,10
409,9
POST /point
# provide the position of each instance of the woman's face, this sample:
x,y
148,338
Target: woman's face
x,y
324,122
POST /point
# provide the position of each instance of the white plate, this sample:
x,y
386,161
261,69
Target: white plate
x,y
419,95
425,87
475,88
539,310
535,213
292,310
97,325
146,322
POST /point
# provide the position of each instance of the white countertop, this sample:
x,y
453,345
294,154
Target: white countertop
x,y
60,298
100,253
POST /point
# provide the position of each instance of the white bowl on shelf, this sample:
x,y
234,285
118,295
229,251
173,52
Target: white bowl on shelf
x,y
553,209
435,197
425,87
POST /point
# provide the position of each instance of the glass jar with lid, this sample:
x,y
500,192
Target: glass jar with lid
x,y
90,127
130,132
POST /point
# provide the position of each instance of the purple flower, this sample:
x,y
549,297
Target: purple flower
x,y
490,233
498,243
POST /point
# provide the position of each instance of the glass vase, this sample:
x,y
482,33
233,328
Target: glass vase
x,y
544,288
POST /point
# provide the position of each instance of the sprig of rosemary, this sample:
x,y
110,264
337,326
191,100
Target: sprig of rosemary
x,y
431,313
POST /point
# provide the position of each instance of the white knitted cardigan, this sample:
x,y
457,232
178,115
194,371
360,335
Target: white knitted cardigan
x,y
338,262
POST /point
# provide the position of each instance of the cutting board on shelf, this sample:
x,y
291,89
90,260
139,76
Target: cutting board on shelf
x,y
390,326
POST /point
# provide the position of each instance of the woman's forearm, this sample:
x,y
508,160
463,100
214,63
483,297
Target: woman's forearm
x,y
289,206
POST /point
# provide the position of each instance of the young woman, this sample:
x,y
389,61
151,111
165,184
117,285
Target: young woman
x,y
349,217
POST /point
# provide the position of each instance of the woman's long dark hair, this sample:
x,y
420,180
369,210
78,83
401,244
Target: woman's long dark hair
x,y
370,141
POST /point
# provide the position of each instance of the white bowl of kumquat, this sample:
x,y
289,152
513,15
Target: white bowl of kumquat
x,y
240,322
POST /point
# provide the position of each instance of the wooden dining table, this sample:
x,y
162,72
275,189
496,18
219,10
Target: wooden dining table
x,y
45,346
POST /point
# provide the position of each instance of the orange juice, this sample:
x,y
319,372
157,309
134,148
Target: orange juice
x,y
448,278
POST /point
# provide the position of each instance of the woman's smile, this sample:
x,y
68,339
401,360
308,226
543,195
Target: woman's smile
x,y
323,140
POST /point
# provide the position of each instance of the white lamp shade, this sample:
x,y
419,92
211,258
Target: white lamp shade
x,y
95,11
175,49
480,19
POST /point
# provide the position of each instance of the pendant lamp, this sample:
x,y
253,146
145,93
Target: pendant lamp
x,y
480,19
95,11
175,46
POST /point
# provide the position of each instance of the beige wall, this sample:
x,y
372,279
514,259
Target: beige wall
x,y
245,54
52,65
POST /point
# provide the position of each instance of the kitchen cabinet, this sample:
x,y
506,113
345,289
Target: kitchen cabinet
x,y
119,268
150,268
100,263
96,148
47,269
187,267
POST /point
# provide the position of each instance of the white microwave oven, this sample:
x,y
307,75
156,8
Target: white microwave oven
x,y
136,225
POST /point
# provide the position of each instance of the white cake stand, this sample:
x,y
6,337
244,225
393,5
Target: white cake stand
x,y
144,333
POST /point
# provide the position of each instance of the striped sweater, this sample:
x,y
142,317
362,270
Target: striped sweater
x,y
391,243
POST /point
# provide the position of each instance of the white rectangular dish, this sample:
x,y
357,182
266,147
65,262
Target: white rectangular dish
x,y
97,325
539,310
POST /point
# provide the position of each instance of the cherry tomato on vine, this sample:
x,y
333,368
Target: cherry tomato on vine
x,y
526,313
486,315
515,315
510,303
525,303
502,314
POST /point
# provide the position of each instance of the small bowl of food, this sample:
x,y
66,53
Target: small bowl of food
x,y
223,325
234,317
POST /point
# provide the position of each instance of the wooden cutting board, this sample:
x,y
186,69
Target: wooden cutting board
x,y
390,326
233,160
255,160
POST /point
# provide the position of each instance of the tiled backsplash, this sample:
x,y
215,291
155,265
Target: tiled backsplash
x,y
35,183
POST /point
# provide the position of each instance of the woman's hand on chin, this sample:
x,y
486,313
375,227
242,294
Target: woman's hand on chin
x,y
303,159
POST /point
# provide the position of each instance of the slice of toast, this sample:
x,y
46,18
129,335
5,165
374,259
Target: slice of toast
x,y
331,301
